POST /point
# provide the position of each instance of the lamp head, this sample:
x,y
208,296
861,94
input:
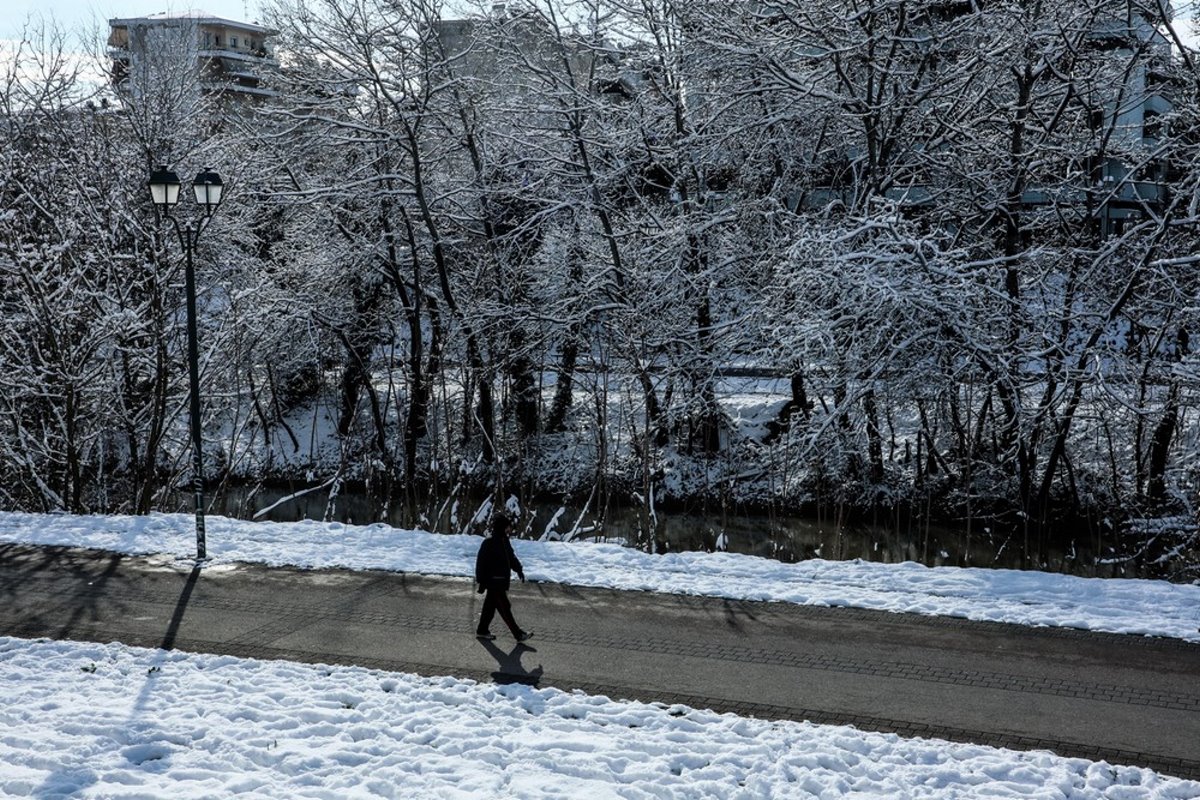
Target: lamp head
x,y
164,187
208,189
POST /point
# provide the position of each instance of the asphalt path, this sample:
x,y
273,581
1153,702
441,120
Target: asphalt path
x,y
1125,699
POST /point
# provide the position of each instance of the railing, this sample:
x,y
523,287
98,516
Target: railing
x,y
238,55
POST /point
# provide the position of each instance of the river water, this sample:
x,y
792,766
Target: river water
x,y
782,537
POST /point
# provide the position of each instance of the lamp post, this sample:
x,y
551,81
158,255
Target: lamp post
x,y
164,191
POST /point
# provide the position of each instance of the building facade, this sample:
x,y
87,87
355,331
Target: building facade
x,y
224,59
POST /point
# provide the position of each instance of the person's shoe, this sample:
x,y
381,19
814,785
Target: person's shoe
x,y
524,636
485,635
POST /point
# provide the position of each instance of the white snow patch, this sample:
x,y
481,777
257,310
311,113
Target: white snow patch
x,y
92,720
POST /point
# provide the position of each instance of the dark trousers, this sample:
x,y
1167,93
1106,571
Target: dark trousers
x,y
497,600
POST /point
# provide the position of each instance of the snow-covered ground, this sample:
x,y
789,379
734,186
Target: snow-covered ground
x,y
1155,608
110,721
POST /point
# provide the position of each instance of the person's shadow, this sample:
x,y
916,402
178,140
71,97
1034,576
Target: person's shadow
x,y
510,669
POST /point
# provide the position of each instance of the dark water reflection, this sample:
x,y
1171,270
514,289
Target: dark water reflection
x,y
786,538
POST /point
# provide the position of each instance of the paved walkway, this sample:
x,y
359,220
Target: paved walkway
x,y
1128,700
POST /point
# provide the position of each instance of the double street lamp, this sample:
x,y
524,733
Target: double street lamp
x,y
164,190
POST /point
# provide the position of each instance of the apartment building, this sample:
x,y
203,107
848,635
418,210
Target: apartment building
x,y
1134,109
227,59
530,43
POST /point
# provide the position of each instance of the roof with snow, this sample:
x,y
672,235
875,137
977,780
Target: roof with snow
x,y
196,15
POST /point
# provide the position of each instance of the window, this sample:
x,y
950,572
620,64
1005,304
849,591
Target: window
x,y
217,40
233,41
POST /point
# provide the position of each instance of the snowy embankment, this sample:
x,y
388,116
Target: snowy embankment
x,y
1155,608
110,721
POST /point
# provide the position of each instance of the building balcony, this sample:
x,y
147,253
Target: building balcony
x,y
229,87
237,55
242,75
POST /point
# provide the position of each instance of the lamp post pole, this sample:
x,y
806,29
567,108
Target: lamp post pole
x,y
190,234
164,190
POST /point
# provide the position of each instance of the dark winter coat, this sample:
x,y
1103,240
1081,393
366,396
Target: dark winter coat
x,y
496,562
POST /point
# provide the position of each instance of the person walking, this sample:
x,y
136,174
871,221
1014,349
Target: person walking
x,y
494,566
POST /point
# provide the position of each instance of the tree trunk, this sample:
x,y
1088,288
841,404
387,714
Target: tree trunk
x,y
799,402
557,421
1160,444
524,387
874,437
708,428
